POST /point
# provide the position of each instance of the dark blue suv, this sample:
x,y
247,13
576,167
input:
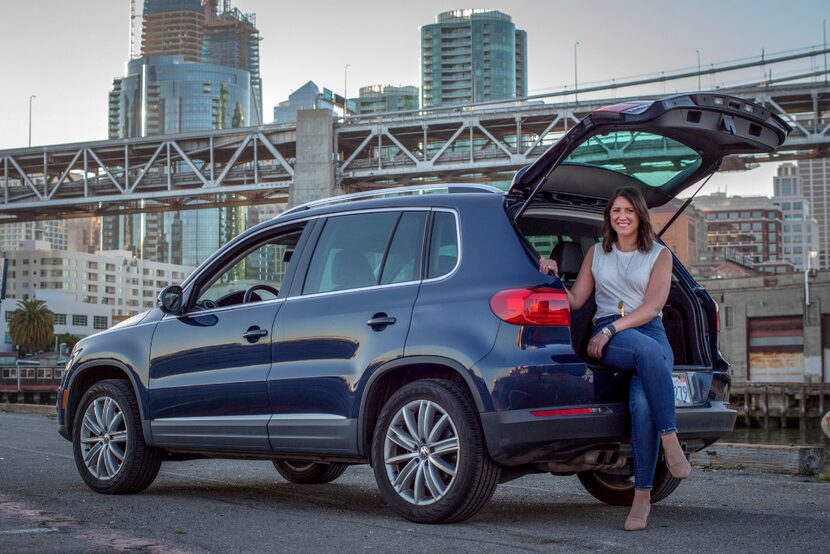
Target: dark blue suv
x,y
411,329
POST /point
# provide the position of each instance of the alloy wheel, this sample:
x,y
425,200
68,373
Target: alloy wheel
x,y
104,438
421,452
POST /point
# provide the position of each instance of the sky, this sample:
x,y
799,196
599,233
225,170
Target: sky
x,y
67,53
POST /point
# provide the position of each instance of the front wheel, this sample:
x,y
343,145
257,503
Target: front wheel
x,y
429,456
618,490
309,473
108,443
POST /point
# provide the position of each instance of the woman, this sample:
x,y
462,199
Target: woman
x,y
630,274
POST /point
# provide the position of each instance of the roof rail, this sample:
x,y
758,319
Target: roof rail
x,y
395,191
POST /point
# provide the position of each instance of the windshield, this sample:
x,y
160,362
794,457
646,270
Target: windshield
x,y
651,159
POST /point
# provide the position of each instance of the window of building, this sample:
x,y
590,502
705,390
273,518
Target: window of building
x,y
160,273
79,320
757,226
109,278
9,316
110,267
772,237
721,215
733,215
744,215
92,265
728,316
91,276
60,319
786,206
771,215
99,322
757,215
770,226
798,205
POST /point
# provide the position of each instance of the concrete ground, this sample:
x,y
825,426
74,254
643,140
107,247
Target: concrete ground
x,y
239,506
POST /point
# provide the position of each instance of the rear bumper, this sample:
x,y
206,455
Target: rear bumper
x,y
516,437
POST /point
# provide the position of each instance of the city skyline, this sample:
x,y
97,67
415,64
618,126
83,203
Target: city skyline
x,y
388,53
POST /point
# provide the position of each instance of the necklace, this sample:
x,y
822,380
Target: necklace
x,y
621,304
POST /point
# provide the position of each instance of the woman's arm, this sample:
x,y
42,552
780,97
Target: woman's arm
x,y
584,285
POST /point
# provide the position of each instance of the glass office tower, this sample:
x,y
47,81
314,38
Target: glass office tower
x,y
472,56
164,95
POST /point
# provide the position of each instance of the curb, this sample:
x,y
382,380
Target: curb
x,y
795,460
42,409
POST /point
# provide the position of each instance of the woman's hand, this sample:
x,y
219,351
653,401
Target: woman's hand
x,y
548,266
597,344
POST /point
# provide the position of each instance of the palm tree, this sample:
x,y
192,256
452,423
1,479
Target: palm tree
x,y
32,325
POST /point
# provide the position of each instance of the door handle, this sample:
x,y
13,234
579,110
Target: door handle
x,y
380,321
254,334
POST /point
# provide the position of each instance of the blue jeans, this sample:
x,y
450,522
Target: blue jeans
x,y
646,351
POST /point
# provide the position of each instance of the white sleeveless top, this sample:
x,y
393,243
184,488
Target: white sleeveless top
x,y
621,276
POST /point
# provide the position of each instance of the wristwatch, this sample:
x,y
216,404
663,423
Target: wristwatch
x,y
609,330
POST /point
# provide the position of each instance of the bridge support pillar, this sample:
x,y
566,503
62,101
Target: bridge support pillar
x,y
314,168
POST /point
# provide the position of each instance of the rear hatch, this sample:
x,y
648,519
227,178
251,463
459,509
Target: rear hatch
x,y
661,147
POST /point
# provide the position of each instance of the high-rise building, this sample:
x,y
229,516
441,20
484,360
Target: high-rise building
x,y
472,56
199,71
800,230
814,178
173,28
307,97
54,231
687,235
231,39
750,226
386,98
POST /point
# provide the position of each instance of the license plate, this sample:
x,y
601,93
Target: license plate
x,y
682,390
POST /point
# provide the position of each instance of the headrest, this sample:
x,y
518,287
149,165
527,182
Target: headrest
x,y
568,256
350,269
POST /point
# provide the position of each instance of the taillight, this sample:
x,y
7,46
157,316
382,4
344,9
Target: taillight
x,y
534,306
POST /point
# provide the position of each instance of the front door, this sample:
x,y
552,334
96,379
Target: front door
x,y
208,366
348,315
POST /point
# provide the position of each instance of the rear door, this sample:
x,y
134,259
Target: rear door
x,y
349,313
661,147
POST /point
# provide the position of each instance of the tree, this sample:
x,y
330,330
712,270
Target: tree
x,y
32,325
67,338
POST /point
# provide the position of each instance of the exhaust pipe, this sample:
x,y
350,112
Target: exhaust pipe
x,y
589,461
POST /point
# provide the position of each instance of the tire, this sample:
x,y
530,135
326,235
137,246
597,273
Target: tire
x,y
618,490
115,424
448,475
309,473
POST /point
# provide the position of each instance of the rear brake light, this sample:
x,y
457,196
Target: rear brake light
x,y
534,306
565,411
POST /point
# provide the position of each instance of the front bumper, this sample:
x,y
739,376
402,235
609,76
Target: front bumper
x,y
63,428
516,437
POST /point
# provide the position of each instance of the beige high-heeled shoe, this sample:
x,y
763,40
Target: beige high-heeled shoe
x,y
637,523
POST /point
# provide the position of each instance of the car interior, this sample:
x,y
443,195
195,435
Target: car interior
x,y
565,237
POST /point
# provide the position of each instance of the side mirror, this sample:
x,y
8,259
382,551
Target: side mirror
x,y
170,299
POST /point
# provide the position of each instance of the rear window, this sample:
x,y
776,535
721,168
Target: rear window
x,y
653,160
443,245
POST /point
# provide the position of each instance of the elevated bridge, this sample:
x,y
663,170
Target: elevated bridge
x,y
322,155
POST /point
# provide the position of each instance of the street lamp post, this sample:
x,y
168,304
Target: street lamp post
x,y
346,89
698,69
576,81
31,97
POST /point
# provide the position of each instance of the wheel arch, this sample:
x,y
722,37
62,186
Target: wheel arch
x,y
392,375
92,372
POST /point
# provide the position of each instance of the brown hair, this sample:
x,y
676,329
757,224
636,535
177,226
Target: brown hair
x,y
645,232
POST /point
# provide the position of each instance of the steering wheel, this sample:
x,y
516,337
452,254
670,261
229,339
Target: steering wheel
x,y
249,293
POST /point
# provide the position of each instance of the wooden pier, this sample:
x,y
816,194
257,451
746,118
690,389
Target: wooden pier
x,y
758,403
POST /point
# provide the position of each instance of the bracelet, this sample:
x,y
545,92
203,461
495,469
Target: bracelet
x,y
612,328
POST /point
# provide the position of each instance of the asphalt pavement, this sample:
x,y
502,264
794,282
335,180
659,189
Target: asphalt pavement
x,y
245,506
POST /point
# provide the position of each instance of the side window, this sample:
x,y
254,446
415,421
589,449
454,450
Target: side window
x,y
443,245
349,253
403,261
259,269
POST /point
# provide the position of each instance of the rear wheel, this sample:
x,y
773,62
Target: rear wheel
x,y
618,490
108,443
429,456
309,473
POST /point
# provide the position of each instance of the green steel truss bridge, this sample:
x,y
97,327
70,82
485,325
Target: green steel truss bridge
x,y
323,155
